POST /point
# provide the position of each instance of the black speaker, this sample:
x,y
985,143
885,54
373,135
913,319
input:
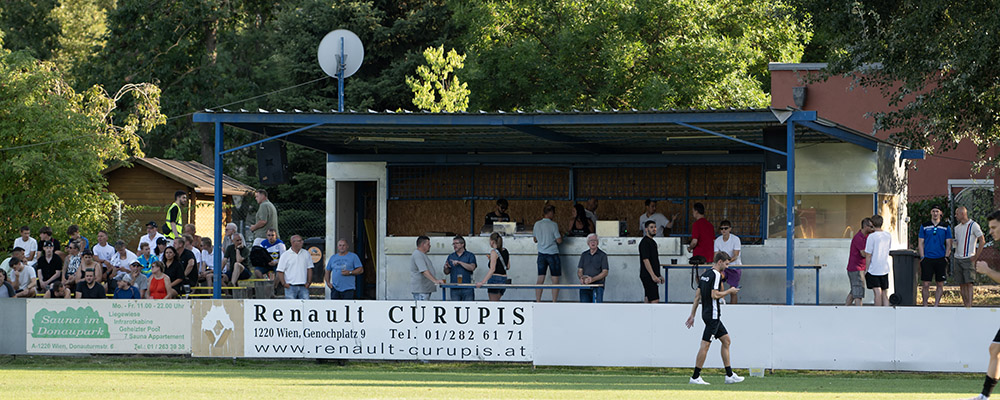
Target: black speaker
x,y
775,138
272,163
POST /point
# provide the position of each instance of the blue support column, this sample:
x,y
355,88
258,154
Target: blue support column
x,y
217,231
790,216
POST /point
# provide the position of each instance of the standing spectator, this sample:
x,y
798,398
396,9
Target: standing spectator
x,y
24,278
103,253
207,260
460,265
579,224
649,265
57,291
29,244
267,218
592,269
663,225
90,288
422,280
175,218
546,235
499,214
228,237
275,248
173,268
139,280
144,258
730,244
71,265
592,210
702,234
993,367
235,261
188,261
856,264
295,270
341,269
159,283
6,290
74,236
17,253
934,246
125,290
969,244
499,261
877,261
710,295
122,261
49,267
45,235
151,236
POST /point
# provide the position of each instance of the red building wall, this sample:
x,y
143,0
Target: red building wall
x,y
836,100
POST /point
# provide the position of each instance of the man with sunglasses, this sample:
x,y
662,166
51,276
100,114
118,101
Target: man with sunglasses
x,y
730,244
498,215
934,247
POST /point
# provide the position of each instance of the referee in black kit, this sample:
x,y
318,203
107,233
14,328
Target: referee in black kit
x,y
710,294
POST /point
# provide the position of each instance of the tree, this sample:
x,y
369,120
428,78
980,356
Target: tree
x,y
438,88
935,62
625,53
54,143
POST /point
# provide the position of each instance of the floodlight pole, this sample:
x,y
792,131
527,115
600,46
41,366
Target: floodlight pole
x,y
790,214
217,225
341,65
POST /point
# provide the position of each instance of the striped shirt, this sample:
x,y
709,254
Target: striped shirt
x,y
967,238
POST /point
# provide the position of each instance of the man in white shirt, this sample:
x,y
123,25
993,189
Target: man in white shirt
x,y
662,223
29,245
23,279
295,270
103,252
969,242
730,244
150,237
877,261
122,260
591,210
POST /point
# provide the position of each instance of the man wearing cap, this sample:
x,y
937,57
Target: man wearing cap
x,y
969,242
125,289
139,280
150,236
934,247
175,220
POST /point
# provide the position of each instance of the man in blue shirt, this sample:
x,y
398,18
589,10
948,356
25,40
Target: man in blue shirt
x,y
934,246
341,270
460,265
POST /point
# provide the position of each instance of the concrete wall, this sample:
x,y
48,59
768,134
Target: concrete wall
x,y
12,326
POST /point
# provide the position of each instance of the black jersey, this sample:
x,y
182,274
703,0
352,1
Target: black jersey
x,y
710,308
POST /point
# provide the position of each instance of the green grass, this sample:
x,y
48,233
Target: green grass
x,y
138,377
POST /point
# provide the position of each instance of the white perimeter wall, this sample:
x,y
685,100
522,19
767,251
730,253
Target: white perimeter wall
x,y
779,337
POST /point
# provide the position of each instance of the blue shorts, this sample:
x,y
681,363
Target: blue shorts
x,y
551,261
497,279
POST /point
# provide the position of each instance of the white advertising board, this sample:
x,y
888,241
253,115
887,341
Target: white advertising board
x,y
388,330
108,326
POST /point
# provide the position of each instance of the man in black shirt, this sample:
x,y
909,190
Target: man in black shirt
x,y
498,215
710,294
649,264
90,288
188,260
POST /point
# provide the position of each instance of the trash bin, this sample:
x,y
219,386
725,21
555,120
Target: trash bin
x,y
317,250
904,271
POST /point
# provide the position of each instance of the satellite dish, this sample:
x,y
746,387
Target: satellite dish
x,y
330,50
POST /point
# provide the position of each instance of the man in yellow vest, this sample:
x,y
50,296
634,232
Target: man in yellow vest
x,y
175,219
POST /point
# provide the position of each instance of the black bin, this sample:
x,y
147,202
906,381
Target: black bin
x,y
904,271
317,249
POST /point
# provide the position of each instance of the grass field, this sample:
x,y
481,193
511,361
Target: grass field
x,y
140,377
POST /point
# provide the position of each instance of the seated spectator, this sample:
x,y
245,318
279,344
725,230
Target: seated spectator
x,y
274,247
161,244
45,235
30,246
159,283
235,261
23,278
90,288
227,239
125,289
87,262
207,260
189,259
145,258
71,266
151,236
74,236
189,230
103,253
6,290
17,253
57,291
49,267
139,280
172,267
122,260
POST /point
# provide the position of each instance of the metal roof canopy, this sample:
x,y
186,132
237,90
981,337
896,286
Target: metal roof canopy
x,y
571,133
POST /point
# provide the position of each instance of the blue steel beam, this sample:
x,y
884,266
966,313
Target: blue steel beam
x,y
556,137
254,143
917,154
849,137
790,215
217,224
751,144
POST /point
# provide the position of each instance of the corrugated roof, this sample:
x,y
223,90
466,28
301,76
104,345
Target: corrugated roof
x,y
192,174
